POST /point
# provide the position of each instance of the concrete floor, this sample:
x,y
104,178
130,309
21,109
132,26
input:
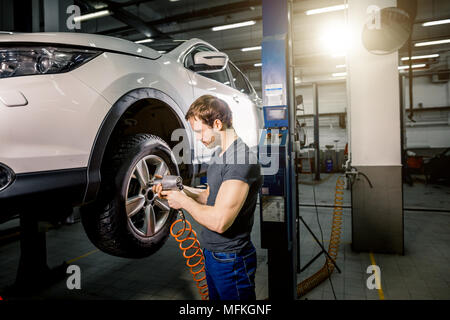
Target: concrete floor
x,y
422,273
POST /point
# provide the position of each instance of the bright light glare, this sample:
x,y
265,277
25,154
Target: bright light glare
x,y
251,49
414,66
144,40
335,40
435,23
258,64
432,43
339,74
428,56
234,25
93,15
327,9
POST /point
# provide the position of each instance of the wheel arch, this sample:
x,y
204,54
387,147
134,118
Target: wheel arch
x,y
134,105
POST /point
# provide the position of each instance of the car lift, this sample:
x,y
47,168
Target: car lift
x,y
280,224
33,273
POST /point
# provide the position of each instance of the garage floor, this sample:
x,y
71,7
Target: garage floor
x,y
422,273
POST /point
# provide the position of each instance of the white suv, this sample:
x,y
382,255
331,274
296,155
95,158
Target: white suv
x,y
88,120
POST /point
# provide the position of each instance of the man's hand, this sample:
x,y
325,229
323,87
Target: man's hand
x,y
157,188
176,199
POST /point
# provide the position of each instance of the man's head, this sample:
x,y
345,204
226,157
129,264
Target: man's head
x,y
208,116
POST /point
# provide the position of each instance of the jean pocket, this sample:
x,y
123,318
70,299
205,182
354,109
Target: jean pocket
x,y
223,256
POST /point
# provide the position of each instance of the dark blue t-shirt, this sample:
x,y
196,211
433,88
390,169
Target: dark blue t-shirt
x,y
238,162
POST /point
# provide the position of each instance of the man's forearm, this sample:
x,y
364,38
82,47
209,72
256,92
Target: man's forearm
x,y
203,214
199,195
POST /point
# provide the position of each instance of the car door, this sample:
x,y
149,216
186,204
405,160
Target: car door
x,y
217,84
248,121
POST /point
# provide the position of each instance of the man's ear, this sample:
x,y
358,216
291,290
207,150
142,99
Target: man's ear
x,y
217,124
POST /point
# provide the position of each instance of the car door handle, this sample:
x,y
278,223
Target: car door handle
x,y
236,98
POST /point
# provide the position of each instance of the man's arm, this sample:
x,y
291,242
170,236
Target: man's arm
x,y
199,195
218,218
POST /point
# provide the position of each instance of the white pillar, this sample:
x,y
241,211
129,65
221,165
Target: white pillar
x,y
374,128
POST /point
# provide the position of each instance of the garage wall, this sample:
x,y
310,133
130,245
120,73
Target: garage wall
x,y
6,18
428,93
431,129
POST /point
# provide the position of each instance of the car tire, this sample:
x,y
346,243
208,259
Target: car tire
x,y
127,219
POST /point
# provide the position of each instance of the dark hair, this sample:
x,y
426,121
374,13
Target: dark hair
x,y
209,108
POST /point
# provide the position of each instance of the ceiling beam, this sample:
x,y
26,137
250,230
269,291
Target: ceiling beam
x,y
131,20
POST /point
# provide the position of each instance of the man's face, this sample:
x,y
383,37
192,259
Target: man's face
x,y
209,136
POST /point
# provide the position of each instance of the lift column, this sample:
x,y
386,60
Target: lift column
x,y
279,204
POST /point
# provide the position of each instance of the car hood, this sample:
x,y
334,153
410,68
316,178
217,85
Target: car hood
x,y
81,39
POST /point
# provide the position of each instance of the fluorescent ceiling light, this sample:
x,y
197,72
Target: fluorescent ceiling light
x,y
327,9
259,64
431,43
414,66
435,23
93,15
428,56
144,40
339,74
251,48
234,25
340,66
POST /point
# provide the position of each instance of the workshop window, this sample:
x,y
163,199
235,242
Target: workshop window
x,y
239,80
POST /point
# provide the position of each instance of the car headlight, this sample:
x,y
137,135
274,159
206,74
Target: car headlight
x,y
23,61
6,176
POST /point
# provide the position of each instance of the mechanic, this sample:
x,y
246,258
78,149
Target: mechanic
x,y
226,208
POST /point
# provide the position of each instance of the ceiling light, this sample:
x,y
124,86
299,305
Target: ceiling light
x,y
431,43
428,56
93,15
144,40
234,25
339,74
340,66
414,66
327,9
435,23
251,48
259,64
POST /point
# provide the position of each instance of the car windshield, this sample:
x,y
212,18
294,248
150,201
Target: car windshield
x,y
165,45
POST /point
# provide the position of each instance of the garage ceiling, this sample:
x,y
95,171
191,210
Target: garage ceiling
x,y
185,19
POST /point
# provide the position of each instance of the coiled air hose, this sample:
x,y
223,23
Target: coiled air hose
x,y
335,239
190,246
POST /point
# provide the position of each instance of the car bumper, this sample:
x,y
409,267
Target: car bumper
x,y
40,191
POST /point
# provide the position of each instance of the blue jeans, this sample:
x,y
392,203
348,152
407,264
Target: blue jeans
x,y
231,276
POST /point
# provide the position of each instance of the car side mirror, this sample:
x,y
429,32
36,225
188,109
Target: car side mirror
x,y
210,61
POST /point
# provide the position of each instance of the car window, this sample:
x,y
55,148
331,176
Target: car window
x,y
221,76
239,80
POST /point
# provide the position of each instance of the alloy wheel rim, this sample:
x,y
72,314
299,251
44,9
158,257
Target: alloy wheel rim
x,y
146,213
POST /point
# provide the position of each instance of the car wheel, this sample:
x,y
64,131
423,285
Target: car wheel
x,y
127,219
